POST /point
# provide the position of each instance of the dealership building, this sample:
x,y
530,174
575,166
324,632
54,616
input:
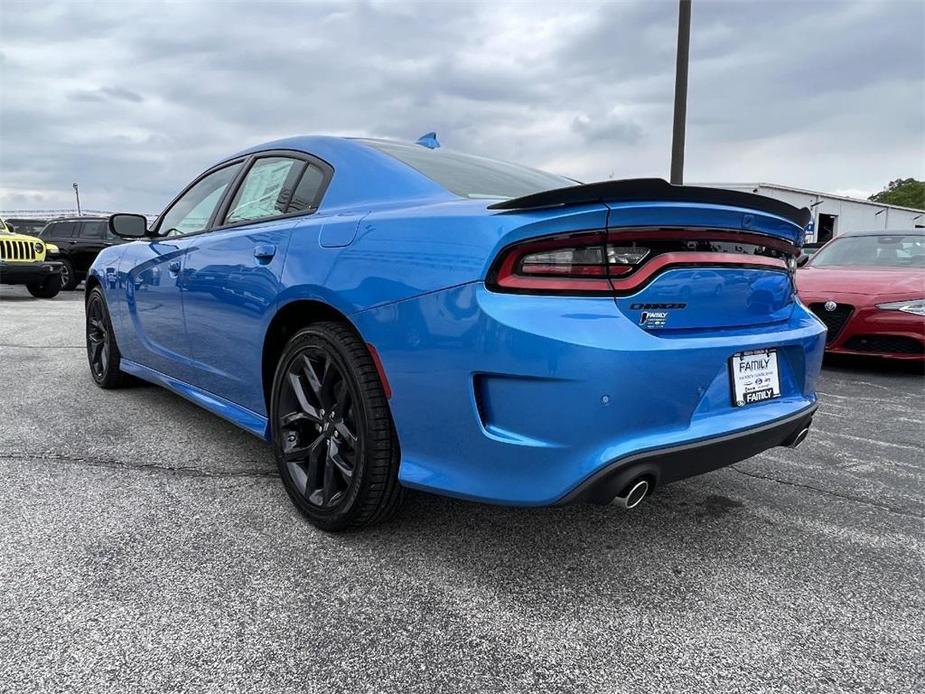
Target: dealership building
x,y
835,214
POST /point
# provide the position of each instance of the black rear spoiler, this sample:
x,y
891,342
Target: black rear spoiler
x,y
654,190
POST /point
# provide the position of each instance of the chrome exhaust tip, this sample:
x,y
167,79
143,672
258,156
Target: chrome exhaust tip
x,y
635,493
799,438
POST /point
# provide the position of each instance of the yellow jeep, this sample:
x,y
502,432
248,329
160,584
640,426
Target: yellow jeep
x,y
22,261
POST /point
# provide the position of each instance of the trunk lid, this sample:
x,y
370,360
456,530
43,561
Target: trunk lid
x,y
675,258
710,266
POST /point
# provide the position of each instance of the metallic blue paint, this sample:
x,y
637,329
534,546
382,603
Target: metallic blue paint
x,y
499,397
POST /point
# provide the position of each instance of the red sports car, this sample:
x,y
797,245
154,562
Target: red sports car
x,y
869,289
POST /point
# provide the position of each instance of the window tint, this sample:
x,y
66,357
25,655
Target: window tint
x,y
267,189
471,176
306,193
191,213
63,230
93,230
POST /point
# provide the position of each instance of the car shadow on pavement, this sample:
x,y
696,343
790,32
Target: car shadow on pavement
x,y
580,555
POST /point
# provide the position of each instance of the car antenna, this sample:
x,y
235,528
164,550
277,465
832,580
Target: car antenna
x,y
429,140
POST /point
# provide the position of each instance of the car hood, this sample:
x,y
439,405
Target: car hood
x,y
861,281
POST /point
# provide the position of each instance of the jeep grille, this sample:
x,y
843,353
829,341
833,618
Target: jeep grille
x,y
17,250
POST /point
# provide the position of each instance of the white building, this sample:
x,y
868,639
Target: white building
x,y
834,214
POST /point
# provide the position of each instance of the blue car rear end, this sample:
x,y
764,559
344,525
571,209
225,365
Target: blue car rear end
x,y
531,396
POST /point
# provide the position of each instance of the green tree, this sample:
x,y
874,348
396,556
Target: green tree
x,y
906,192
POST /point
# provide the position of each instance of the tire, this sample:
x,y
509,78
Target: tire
x,y
47,288
102,352
326,391
69,278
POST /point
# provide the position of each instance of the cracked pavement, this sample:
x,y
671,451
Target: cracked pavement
x,y
146,545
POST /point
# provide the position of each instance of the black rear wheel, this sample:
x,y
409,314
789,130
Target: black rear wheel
x,y
102,352
69,278
332,432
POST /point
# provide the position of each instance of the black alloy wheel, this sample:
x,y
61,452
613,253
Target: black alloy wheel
x,y
332,432
68,276
318,428
102,352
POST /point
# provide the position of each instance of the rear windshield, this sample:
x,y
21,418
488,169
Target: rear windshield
x,y
872,251
470,176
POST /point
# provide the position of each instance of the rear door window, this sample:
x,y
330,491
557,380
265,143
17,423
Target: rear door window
x,y
269,188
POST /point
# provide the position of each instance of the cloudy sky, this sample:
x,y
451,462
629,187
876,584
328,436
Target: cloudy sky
x,y
133,99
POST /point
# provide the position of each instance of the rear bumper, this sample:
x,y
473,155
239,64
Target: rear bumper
x,y
27,273
521,399
665,465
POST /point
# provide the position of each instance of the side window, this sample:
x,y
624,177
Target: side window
x,y
191,213
267,189
306,193
65,230
50,231
93,230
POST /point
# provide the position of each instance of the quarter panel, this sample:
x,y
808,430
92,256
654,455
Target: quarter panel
x,y
403,252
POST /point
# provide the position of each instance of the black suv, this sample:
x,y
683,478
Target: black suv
x,y
79,240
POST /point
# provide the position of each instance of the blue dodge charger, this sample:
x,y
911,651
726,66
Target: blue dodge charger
x,y
397,315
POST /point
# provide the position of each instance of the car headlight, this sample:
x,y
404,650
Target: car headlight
x,y
37,246
916,306
51,248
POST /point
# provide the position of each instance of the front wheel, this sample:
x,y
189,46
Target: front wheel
x,y
47,288
102,352
333,437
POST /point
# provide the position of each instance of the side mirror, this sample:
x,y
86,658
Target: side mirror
x,y
129,226
802,260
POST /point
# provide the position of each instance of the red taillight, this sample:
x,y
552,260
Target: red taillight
x,y
576,263
617,262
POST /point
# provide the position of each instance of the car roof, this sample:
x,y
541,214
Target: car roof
x,y
367,177
76,219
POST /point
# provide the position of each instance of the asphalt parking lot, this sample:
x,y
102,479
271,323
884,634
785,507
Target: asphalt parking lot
x,y
146,545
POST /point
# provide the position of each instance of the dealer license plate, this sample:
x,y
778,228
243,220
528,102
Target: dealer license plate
x,y
754,377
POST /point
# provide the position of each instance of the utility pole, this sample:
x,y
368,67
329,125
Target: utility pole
x,y
77,194
680,92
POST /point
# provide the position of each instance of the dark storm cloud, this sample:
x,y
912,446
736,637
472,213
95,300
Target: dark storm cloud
x,y
133,99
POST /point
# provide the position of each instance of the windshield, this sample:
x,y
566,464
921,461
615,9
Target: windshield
x,y
872,251
470,176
